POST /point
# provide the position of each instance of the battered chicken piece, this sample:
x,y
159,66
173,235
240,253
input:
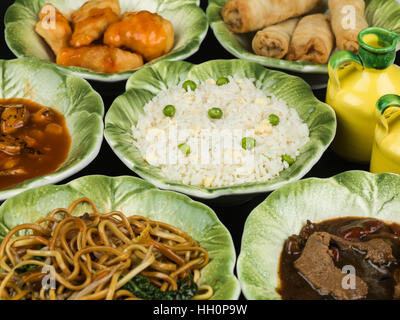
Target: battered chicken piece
x,y
143,32
13,118
92,19
84,11
100,59
58,37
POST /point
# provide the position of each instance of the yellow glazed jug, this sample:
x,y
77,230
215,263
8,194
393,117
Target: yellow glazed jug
x,y
386,147
356,82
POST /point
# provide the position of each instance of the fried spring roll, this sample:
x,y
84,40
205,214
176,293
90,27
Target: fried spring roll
x,y
249,15
274,41
347,19
312,40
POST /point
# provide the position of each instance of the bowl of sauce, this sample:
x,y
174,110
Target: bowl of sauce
x,y
51,125
34,141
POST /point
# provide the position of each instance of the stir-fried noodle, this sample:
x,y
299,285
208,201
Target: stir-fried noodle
x,y
100,256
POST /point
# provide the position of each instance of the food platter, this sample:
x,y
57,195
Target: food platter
x,y
143,199
377,14
85,138
272,223
24,42
119,120
116,222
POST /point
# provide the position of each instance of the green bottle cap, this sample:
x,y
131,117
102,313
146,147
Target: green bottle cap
x,y
377,47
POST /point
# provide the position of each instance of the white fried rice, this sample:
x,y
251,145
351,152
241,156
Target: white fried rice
x,y
216,157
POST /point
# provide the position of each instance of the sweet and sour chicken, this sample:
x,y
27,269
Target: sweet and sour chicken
x,y
92,20
143,32
99,37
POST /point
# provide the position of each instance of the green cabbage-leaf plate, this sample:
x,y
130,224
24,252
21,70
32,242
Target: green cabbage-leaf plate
x,y
150,81
81,106
285,212
189,21
379,13
135,196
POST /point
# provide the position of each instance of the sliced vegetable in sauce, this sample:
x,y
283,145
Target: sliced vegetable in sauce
x,y
13,117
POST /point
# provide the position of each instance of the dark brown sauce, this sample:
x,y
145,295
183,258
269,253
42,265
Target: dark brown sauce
x,y
380,279
36,146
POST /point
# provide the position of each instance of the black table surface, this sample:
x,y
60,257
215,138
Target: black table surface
x,y
107,163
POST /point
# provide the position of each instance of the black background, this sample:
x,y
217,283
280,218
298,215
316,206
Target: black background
x,y
107,163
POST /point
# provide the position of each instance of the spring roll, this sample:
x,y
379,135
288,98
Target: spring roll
x,y
274,41
312,40
347,19
249,15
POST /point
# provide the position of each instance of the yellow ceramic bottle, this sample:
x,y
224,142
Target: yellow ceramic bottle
x,y
356,82
386,147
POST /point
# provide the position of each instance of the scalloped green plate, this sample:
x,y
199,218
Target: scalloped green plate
x,y
379,13
189,20
135,196
285,211
149,81
73,97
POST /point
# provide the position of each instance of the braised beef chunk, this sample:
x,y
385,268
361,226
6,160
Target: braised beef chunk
x,y
307,230
396,294
377,250
396,276
294,244
317,266
395,228
314,264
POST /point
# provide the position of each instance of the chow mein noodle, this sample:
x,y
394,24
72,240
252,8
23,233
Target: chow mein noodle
x,y
100,256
